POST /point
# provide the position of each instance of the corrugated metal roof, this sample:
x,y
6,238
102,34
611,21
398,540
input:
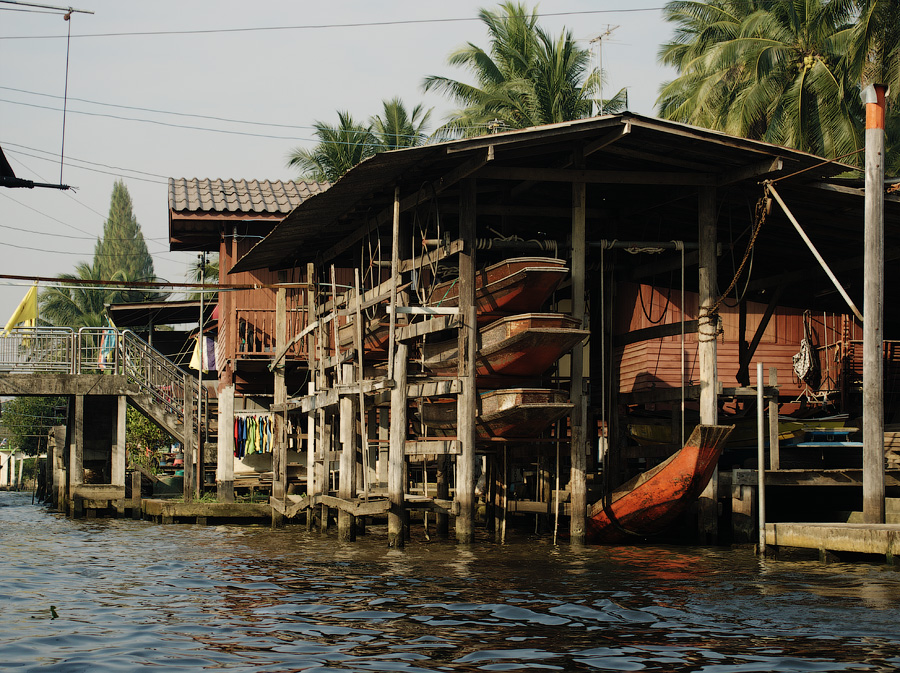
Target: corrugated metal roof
x,y
326,223
204,195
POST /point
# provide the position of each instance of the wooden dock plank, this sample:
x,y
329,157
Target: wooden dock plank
x,y
880,539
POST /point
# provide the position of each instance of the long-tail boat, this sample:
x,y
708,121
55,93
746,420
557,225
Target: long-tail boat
x,y
523,346
649,502
514,285
510,413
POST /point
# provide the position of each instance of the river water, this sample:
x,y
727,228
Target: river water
x,y
121,595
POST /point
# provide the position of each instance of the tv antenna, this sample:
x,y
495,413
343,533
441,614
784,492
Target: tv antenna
x,y
598,41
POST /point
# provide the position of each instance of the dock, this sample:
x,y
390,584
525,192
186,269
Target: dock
x,y
873,538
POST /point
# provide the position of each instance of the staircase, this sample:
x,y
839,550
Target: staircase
x,y
159,387
162,386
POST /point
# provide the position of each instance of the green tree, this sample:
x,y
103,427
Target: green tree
x,y
527,78
339,149
27,421
143,438
122,251
396,127
875,59
75,305
772,71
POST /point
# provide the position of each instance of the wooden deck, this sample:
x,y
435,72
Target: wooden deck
x,y
167,511
876,539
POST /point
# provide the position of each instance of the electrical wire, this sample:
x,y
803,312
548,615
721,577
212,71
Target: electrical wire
x,y
322,26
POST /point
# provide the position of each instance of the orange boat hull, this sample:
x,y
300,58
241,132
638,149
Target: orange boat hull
x,y
522,346
515,285
648,503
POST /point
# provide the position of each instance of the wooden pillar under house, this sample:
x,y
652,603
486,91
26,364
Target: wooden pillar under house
x,y
706,351
397,449
188,436
578,475
313,440
468,335
347,472
279,454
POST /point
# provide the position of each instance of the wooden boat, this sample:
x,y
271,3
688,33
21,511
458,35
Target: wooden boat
x,y
512,286
511,413
646,504
524,345
376,334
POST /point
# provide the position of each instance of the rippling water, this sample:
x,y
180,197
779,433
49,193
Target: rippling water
x,y
122,595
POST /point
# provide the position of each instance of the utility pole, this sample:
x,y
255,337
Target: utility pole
x,y
599,42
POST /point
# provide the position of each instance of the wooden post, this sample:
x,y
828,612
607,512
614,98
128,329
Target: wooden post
x,y
311,447
774,445
347,474
468,336
873,309
578,475
279,455
384,436
188,432
761,458
119,457
322,476
225,445
397,450
706,350
136,495
76,451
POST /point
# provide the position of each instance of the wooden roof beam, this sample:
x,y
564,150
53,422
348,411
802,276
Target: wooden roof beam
x,y
598,177
462,171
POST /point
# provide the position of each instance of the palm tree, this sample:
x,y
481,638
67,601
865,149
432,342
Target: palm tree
x,y
74,305
875,58
339,149
767,71
528,78
396,127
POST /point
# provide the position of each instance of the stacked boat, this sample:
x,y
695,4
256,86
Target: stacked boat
x,y
516,347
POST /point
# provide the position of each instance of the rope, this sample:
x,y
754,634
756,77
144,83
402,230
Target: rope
x,y
706,314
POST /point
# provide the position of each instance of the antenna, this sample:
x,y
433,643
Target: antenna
x,y
599,42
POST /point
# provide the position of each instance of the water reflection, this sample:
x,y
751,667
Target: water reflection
x,y
126,595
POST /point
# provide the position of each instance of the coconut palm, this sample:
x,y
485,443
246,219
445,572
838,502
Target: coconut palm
x,y
396,127
74,305
339,149
764,70
875,59
527,78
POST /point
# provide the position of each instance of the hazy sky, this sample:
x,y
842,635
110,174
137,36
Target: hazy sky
x,y
222,102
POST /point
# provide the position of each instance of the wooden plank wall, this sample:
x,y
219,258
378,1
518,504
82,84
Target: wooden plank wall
x,y
656,363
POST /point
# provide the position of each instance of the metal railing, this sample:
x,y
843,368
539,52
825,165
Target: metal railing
x,y
38,349
102,350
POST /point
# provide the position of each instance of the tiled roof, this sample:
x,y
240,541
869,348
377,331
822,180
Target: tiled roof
x,y
194,195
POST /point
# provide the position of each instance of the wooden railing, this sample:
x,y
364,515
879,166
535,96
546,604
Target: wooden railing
x,y
256,332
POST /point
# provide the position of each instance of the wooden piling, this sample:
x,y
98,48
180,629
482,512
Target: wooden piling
x,y
706,349
578,449
468,335
347,474
873,307
188,445
279,454
396,452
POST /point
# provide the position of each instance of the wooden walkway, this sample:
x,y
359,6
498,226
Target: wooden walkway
x,y
878,539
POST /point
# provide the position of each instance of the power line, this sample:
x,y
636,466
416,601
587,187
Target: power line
x,y
322,26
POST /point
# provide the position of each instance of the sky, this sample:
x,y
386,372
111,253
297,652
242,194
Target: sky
x,y
164,89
